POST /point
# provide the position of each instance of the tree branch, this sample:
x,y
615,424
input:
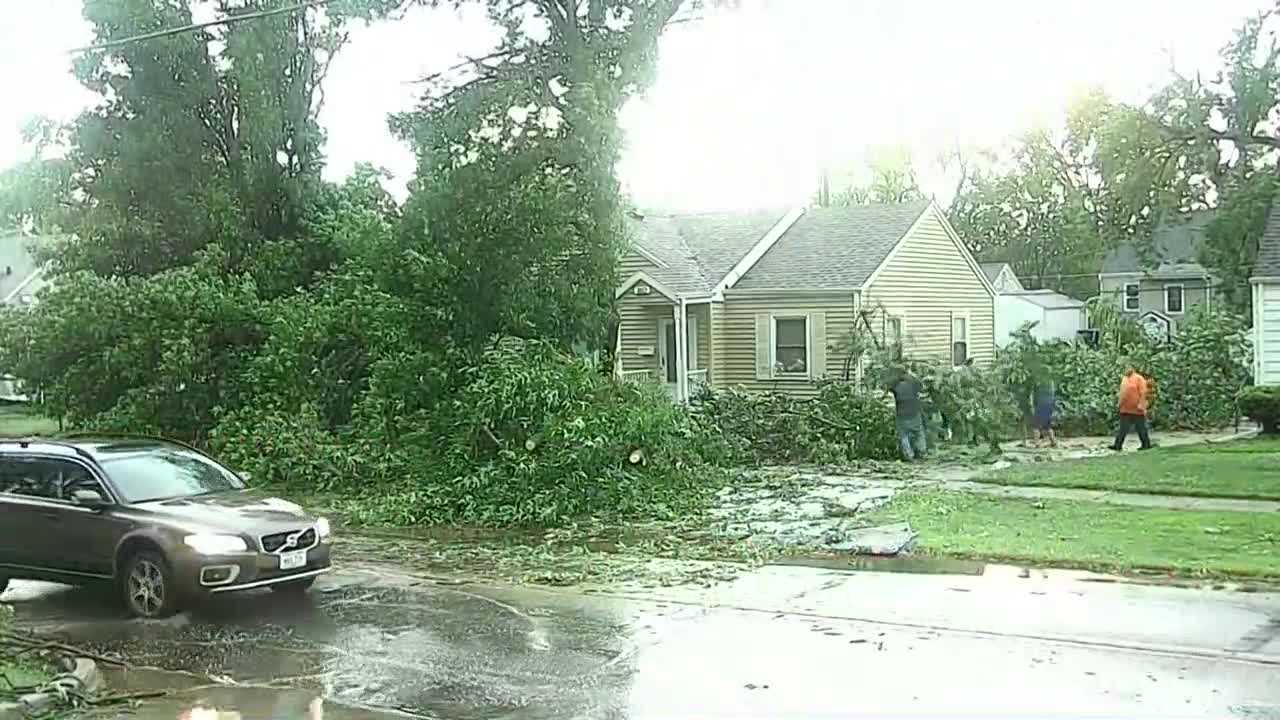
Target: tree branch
x,y
469,61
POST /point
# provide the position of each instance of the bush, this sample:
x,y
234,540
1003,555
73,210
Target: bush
x,y
1262,404
1196,374
842,423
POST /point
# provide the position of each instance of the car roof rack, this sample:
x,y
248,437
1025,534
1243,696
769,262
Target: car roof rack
x,y
127,436
28,441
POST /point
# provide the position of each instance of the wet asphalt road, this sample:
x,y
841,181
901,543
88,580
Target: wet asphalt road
x,y
778,642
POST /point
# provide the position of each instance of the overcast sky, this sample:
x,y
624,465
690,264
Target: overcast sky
x,y
748,105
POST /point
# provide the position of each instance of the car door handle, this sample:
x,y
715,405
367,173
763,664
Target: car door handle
x,y
56,517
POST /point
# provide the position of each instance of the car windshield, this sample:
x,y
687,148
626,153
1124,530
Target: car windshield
x,y
166,474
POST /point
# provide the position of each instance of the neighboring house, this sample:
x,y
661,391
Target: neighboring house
x,y
1055,316
763,300
1161,290
1265,284
1002,277
20,279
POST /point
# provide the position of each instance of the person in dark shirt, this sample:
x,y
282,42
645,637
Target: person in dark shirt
x,y
909,416
1043,399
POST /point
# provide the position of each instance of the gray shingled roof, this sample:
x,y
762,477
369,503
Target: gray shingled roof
x,y
699,250
660,237
1268,262
837,247
992,270
1177,242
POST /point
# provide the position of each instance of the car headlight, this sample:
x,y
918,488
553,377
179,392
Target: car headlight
x,y
322,527
216,544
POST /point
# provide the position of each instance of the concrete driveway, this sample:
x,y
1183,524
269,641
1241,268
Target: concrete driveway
x,y
777,642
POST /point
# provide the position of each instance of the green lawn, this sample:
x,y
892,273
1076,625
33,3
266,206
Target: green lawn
x,y
1244,469
1090,535
17,421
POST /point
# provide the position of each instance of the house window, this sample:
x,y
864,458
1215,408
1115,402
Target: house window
x,y
1173,297
893,336
959,340
791,345
1131,297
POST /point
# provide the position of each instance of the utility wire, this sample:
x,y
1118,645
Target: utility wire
x,y
197,26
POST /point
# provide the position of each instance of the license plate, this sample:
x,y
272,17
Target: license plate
x,y
291,560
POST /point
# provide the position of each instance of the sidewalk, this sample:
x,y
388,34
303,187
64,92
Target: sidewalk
x,y
1169,502
960,479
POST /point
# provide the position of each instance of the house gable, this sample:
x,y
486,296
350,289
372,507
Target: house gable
x,y
929,280
833,248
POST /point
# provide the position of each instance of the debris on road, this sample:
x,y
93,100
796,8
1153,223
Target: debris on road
x,y
882,540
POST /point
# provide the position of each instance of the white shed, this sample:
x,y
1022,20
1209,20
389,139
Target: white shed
x,y
1056,316
1265,285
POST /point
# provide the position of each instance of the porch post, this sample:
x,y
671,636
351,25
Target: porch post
x,y
617,352
682,353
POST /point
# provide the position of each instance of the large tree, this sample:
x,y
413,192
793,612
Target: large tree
x,y
188,196
1041,205
1201,143
203,136
514,219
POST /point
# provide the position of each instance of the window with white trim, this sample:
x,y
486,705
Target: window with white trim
x,y
1131,297
791,345
893,335
1174,295
959,340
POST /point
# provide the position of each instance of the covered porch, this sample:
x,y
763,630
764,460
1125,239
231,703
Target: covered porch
x,y
663,338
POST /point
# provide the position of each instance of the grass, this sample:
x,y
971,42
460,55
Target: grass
x,y
1090,535
18,421
1247,469
22,674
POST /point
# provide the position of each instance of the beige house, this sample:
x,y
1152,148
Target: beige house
x,y
1161,289
764,300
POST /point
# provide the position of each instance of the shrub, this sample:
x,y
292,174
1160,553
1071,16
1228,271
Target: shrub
x,y
1262,404
1196,374
843,422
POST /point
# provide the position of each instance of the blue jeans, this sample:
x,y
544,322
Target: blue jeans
x,y
911,436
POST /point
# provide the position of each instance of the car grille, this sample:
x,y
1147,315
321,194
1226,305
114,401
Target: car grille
x,y
279,542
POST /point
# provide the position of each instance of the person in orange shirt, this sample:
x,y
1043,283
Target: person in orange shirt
x,y
1133,399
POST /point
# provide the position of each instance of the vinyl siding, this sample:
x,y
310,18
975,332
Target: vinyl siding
x,y
1151,294
924,282
735,336
1266,319
640,316
632,263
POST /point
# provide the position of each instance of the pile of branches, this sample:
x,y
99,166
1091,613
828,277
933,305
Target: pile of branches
x,y
61,691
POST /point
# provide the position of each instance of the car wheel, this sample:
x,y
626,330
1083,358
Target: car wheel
x,y
294,587
148,588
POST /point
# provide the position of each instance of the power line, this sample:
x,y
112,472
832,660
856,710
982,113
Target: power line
x,y
197,26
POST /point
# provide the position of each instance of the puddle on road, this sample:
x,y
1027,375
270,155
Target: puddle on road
x,y
243,703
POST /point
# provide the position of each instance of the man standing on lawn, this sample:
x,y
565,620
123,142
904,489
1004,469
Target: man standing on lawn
x,y
909,416
1133,409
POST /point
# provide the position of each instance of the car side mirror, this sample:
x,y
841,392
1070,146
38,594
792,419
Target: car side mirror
x,y
246,476
89,499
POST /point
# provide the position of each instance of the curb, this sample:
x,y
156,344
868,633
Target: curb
x,y
81,677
